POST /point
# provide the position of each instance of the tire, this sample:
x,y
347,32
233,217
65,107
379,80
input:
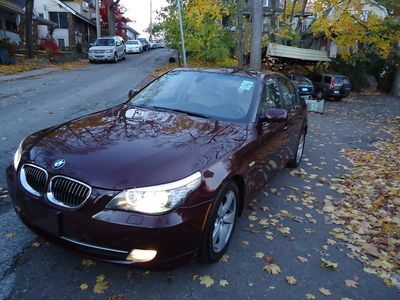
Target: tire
x,y
296,160
91,61
211,250
124,56
115,58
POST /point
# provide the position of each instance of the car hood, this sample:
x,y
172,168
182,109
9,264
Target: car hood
x,y
128,147
102,48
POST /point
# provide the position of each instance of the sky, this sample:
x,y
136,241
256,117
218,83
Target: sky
x,y
139,12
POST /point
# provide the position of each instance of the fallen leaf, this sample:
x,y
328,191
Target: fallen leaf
x,y
252,218
302,259
11,235
310,296
325,291
117,297
259,254
351,283
328,264
224,258
206,280
35,244
88,262
291,280
101,285
272,269
223,283
83,286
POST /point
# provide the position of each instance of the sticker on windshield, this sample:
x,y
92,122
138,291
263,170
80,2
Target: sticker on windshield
x,y
246,85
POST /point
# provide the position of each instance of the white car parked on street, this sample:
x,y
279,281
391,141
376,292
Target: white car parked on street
x,y
110,48
134,46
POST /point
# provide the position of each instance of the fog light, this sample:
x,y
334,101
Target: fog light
x,y
139,255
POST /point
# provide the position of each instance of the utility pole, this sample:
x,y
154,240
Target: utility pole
x,y
239,30
178,3
256,35
98,30
151,18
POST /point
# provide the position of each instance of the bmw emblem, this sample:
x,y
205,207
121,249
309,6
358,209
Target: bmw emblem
x,y
59,163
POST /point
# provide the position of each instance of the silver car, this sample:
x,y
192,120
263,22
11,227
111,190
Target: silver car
x,y
110,48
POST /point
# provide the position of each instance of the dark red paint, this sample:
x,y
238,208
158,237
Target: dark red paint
x,y
126,147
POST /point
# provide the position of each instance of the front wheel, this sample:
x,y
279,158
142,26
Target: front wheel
x,y
220,224
295,161
115,58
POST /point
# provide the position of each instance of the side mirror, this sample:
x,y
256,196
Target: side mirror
x,y
132,93
274,115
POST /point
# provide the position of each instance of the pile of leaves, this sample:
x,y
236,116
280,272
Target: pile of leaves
x,y
370,207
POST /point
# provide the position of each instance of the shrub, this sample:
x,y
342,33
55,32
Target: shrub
x,y
51,47
78,48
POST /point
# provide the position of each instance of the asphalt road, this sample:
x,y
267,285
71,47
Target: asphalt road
x,y
28,105
50,272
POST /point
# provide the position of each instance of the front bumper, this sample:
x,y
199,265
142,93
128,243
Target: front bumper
x,y
110,235
133,50
101,56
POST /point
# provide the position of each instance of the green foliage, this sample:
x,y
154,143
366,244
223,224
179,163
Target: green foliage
x,y
205,36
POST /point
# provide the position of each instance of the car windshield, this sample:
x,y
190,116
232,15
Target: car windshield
x,y
105,42
132,43
302,79
204,94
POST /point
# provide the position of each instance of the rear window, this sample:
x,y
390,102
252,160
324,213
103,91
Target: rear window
x,y
342,79
132,42
302,79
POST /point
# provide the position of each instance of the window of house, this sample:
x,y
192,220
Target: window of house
x,y
60,18
61,43
41,15
265,3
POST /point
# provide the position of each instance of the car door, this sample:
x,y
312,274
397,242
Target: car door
x,y
271,136
291,103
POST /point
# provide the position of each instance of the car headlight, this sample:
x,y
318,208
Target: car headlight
x,y
17,155
109,51
90,51
156,199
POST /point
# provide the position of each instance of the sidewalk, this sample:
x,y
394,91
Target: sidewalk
x,y
28,74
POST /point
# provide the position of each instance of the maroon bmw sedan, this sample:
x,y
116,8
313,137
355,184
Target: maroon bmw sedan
x,y
163,176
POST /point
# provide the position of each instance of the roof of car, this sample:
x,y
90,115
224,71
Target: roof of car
x,y
232,71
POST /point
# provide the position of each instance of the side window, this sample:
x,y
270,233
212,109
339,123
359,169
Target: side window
x,y
288,93
271,96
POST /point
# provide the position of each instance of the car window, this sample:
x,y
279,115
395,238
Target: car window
x,y
271,96
215,95
105,42
327,79
288,93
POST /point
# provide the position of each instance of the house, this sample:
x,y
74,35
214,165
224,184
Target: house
x,y
12,13
131,34
75,21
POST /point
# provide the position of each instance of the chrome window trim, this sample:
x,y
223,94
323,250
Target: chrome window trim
x,y
24,182
52,199
93,246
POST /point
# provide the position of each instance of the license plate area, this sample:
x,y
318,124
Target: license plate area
x,y
304,89
47,219
336,92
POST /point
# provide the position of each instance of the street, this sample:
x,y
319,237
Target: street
x,y
31,268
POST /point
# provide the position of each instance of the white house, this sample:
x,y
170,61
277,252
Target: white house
x,y
75,21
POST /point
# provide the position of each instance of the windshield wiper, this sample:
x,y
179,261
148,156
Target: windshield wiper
x,y
189,113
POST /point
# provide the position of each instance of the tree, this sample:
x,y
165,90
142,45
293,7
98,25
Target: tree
x,y
205,36
240,33
256,35
28,27
112,17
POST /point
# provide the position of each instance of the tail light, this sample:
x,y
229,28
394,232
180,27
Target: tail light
x,y
333,82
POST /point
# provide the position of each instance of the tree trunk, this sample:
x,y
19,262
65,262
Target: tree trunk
x,y
300,20
271,34
239,30
256,35
28,27
396,83
111,17
292,13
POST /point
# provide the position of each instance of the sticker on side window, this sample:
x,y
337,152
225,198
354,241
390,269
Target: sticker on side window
x,y
246,85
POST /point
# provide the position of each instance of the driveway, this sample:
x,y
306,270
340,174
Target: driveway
x,y
285,225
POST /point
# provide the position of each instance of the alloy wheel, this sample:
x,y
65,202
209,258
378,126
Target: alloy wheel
x,y
224,222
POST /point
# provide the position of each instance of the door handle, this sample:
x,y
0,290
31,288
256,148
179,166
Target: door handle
x,y
285,127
